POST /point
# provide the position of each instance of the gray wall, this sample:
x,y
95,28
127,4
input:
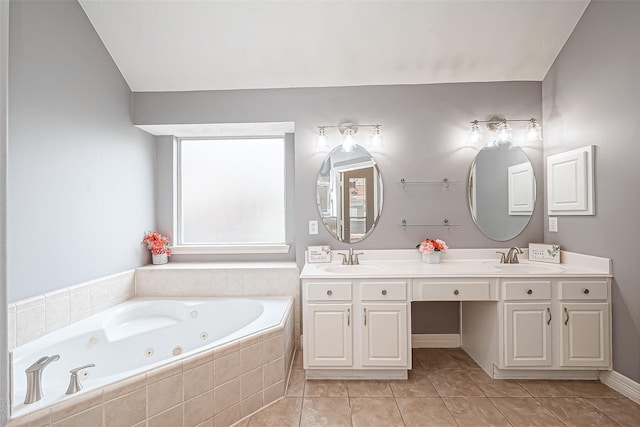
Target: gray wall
x,y
81,177
590,96
424,129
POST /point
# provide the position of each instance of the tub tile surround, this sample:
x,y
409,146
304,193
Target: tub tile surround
x,y
222,279
196,391
32,318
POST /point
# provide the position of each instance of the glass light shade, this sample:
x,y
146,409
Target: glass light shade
x,y
504,133
534,131
348,141
474,135
322,141
376,138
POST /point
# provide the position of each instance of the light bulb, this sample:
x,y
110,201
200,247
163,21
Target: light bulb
x,y
474,135
348,140
322,141
504,133
534,131
376,138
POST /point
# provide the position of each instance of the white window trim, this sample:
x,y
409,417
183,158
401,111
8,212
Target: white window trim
x,y
223,249
229,249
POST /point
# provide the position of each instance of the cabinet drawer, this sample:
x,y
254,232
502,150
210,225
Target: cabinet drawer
x,y
584,289
526,290
384,290
329,291
453,291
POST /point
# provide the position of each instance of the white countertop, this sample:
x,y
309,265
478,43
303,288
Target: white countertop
x,y
455,263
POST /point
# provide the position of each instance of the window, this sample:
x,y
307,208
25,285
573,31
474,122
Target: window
x,y
231,193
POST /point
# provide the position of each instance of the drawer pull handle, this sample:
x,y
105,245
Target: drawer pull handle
x,y
348,317
384,292
365,317
549,313
567,313
529,291
456,292
329,292
586,291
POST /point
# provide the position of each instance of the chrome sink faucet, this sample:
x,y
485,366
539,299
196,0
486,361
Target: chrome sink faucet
x,y
351,258
34,378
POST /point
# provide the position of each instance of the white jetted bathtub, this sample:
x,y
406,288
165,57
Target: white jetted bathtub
x,y
136,336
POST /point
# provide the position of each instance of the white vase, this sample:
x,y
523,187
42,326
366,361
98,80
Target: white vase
x,y
159,259
432,258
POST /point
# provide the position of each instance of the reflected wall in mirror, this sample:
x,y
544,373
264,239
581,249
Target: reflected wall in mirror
x,y
349,194
502,191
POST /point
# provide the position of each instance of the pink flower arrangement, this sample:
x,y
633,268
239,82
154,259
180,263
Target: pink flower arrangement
x,y
430,246
157,243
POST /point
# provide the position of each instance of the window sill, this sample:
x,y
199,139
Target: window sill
x,y
229,249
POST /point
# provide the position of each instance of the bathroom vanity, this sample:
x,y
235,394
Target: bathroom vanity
x,y
525,320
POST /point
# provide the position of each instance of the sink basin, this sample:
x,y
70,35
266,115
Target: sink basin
x,y
350,269
526,268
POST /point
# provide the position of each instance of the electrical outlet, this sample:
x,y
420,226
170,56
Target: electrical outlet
x,y
313,227
553,224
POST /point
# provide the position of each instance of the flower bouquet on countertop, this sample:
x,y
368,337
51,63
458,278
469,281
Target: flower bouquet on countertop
x,y
158,245
431,249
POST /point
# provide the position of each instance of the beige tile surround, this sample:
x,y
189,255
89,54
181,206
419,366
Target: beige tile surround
x,y
32,318
217,387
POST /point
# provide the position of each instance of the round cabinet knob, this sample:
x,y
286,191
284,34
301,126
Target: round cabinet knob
x,y
586,291
329,292
456,292
529,291
384,292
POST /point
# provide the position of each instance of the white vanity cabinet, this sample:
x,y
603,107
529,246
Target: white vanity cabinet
x,y
585,329
526,322
385,328
543,324
328,324
356,328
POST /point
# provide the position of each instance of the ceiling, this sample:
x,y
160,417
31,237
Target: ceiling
x,y
163,45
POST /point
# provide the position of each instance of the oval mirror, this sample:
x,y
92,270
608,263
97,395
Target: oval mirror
x,y
502,191
349,194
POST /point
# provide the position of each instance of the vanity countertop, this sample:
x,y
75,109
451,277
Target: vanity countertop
x,y
456,263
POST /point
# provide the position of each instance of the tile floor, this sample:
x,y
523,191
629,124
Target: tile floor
x,y
445,388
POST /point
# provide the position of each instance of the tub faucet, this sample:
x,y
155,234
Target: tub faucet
x,y
512,255
34,378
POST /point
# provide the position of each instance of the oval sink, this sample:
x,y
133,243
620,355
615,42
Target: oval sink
x,y
350,269
526,268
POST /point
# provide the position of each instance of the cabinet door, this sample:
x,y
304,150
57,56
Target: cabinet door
x,y
585,334
528,334
330,334
384,335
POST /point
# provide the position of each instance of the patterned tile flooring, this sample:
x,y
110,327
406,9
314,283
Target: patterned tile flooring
x,y
445,388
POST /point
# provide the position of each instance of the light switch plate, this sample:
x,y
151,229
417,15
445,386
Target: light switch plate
x,y
313,227
553,224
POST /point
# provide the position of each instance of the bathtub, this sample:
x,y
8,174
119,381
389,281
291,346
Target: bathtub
x,y
137,336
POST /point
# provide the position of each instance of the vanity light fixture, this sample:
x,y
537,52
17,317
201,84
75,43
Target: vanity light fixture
x,y
322,141
348,131
502,130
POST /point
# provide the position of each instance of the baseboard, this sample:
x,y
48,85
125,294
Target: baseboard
x,y
621,384
435,340
542,374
